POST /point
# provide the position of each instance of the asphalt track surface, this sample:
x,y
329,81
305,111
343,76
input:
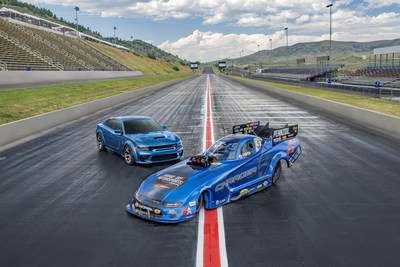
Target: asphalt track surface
x,y
62,201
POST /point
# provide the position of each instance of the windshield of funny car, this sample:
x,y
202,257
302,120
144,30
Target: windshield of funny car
x,y
223,150
141,126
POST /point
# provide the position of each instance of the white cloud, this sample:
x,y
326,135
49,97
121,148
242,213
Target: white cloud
x,y
347,26
208,46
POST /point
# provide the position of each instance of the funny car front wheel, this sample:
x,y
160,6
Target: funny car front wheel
x,y
199,203
128,155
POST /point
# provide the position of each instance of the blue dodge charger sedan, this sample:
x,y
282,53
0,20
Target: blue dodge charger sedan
x,y
138,139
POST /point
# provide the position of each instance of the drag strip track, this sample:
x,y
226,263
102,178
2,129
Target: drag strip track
x,y
337,206
62,201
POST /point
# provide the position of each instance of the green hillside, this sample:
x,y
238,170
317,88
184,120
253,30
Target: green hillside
x,y
353,55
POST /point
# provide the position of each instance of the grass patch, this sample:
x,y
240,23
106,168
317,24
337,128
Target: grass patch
x,y
16,104
146,65
379,105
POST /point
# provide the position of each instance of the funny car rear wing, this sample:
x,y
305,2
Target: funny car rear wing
x,y
284,133
247,128
277,134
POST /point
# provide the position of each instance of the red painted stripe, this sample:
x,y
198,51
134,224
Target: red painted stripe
x,y
211,257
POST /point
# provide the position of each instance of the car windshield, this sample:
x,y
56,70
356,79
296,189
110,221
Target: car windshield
x,y
223,150
141,126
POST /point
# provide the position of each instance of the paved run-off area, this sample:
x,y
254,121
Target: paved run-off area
x,y
62,201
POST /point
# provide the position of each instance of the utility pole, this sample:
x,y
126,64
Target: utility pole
x,y
132,43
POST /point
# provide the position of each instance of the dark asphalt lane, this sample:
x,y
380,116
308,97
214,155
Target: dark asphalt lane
x,y
62,201
339,205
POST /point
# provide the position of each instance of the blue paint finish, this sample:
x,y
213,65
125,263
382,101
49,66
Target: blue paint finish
x,y
222,182
158,144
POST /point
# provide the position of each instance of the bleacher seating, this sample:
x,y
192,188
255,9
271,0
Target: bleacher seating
x,y
298,73
53,49
385,72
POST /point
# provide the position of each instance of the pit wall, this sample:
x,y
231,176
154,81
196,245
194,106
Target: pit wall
x,y
33,77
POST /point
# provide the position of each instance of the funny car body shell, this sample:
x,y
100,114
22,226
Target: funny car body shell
x,y
175,193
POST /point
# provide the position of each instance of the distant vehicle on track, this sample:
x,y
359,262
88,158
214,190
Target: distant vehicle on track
x,y
240,164
138,139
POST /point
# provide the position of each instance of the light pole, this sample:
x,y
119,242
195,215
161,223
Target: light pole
x,y
270,56
76,19
330,34
132,43
114,35
287,47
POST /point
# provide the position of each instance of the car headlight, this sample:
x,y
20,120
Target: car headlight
x,y
172,204
179,143
137,195
142,147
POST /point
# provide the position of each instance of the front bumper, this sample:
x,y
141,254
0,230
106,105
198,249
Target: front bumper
x,y
165,216
147,157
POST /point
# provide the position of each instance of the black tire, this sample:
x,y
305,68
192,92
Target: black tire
x,y
199,204
100,143
277,172
128,155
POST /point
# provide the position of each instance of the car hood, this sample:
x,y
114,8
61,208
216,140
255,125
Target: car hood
x,y
178,182
154,138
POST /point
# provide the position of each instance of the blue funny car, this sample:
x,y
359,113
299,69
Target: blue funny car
x,y
138,139
240,164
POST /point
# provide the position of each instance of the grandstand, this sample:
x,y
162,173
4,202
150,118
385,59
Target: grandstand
x,y
28,44
304,73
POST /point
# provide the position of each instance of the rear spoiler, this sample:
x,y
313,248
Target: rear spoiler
x,y
247,128
284,133
277,134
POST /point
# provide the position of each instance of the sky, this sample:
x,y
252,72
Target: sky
x,y
206,30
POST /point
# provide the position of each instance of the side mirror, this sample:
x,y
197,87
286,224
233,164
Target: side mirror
x,y
164,127
118,131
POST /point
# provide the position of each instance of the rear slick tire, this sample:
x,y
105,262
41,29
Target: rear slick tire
x,y
277,172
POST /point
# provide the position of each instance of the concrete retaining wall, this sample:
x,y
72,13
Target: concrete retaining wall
x,y
17,130
33,77
375,121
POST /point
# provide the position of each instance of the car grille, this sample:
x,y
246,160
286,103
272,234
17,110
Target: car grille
x,y
161,147
146,212
163,157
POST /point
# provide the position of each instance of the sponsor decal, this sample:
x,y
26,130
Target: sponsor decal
x,y
220,201
157,211
280,132
171,211
169,181
236,178
295,155
265,183
136,204
192,203
259,186
188,211
244,192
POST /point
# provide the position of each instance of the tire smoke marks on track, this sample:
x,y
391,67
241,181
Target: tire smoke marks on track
x,y
211,249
